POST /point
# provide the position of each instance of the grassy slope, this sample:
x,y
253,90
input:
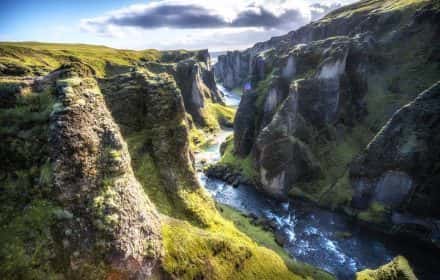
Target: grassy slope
x,y
397,269
243,165
26,208
375,6
198,241
45,57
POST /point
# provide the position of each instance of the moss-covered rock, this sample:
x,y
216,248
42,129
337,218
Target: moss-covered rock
x,y
397,269
331,85
113,222
75,206
399,168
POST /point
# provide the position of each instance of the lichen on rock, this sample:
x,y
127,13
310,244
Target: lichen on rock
x,y
113,220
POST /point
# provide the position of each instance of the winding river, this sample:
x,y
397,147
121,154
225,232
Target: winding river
x,y
319,237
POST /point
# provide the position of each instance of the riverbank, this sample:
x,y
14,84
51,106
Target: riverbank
x,y
309,234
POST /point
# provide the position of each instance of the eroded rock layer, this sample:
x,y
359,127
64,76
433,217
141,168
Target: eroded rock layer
x,y
315,97
110,218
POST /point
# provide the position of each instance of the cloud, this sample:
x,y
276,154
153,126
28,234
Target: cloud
x,y
258,16
167,15
189,18
189,15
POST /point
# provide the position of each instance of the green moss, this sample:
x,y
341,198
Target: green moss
x,y
103,204
148,175
333,189
46,57
188,205
376,6
243,165
198,138
381,103
27,246
339,194
219,252
26,210
263,88
376,213
223,114
46,175
397,269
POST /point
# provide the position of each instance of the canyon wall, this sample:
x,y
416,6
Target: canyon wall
x,y
315,97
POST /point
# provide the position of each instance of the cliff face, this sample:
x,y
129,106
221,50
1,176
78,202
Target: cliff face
x,y
398,170
82,200
319,94
112,219
150,109
368,16
196,80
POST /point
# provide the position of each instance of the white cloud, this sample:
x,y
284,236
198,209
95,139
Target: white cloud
x,y
218,25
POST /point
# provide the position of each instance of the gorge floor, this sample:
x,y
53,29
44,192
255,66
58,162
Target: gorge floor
x,y
319,237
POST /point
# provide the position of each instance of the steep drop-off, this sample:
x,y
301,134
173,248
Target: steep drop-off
x,y
315,97
81,200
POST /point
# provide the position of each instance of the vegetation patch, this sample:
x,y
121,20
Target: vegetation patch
x,y
42,58
376,213
333,189
147,173
219,252
223,115
397,269
244,166
27,248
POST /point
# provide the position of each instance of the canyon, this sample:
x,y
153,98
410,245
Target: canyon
x,y
313,155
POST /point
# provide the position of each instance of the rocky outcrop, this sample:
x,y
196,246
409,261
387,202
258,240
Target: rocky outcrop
x,y
196,81
153,105
227,174
277,121
397,269
235,68
244,125
70,204
399,167
107,216
232,69
316,96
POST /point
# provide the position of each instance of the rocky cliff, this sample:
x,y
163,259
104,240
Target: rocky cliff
x,y
82,200
111,219
315,97
398,170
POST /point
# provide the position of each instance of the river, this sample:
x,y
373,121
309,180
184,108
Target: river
x,y
319,237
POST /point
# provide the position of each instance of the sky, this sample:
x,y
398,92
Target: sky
x,y
161,24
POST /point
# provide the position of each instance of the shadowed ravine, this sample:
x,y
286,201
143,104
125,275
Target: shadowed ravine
x,y
319,237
